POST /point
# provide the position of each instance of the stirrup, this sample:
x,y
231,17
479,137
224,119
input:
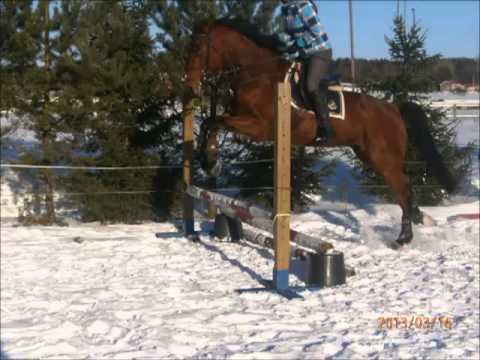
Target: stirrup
x,y
321,141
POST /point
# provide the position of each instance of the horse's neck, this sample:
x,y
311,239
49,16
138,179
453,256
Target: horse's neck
x,y
245,53
241,53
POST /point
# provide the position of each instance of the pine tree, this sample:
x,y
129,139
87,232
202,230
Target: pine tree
x,y
9,65
412,80
120,97
28,63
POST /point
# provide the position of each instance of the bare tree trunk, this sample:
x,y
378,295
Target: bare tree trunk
x,y
212,151
47,175
49,201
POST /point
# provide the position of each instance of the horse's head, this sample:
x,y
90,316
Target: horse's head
x,y
204,55
230,43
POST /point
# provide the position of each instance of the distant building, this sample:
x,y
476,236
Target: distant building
x,y
473,89
452,86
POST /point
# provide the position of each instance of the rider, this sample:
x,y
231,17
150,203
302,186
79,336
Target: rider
x,y
305,40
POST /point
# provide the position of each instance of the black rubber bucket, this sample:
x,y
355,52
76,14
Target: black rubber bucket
x,y
221,227
327,269
227,229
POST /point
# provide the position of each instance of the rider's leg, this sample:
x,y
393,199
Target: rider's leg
x,y
317,88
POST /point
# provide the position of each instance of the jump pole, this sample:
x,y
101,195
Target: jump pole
x,y
256,217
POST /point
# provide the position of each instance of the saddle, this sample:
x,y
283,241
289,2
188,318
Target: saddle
x,y
335,98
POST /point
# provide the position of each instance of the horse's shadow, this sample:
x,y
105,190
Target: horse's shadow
x,y
296,265
386,235
344,220
345,190
234,262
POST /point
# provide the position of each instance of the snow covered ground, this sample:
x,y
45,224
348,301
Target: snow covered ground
x,y
90,291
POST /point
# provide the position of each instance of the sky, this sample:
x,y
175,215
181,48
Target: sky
x,y
452,26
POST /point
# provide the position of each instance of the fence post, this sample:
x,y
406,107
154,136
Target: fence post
x,y
281,221
188,219
212,154
212,148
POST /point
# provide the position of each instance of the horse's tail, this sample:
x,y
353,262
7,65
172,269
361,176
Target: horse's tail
x,y
422,138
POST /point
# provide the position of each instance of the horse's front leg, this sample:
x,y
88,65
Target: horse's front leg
x,y
248,125
254,127
207,150
252,112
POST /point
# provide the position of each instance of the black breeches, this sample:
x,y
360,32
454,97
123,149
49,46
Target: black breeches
x,y
315,69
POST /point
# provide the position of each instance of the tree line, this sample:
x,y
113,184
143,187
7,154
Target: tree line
x,y
99,83
461,70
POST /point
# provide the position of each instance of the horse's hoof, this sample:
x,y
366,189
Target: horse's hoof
x,y
395,245
404,239
406,235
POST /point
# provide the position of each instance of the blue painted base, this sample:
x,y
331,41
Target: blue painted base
x,y
280,279
269,286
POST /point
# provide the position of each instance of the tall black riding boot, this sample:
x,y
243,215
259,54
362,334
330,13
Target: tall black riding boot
x,y
325,130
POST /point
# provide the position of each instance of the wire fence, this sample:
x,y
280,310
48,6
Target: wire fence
x,y
233,189
339,192
473,146
93,168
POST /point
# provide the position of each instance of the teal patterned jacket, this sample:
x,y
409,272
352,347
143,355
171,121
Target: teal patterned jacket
x,y
302,33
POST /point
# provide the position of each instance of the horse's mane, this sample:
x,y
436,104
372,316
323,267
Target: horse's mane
x,y
252,32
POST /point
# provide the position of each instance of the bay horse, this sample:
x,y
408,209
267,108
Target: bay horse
x,y
375,129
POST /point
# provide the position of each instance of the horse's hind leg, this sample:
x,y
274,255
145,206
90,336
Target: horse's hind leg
x,y
399,183
390,167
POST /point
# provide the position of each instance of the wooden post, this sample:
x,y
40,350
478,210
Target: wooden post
x,y
188,219
212,146
352,46
212,151
282,186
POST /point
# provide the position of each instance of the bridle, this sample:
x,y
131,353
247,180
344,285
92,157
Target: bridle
x,y
211,47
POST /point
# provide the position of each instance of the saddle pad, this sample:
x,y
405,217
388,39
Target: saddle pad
x,y
335,100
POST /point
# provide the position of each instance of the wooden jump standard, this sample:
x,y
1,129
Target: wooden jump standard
x,y
282,163
250,214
